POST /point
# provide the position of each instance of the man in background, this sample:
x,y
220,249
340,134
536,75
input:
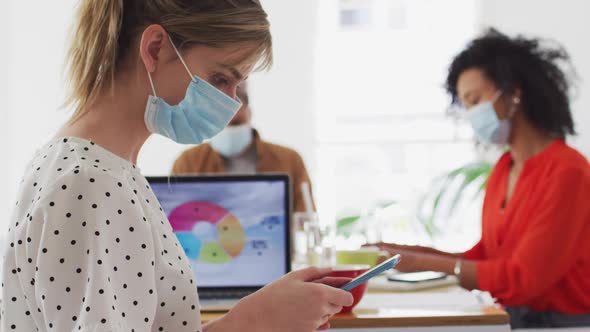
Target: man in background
x,y
240,150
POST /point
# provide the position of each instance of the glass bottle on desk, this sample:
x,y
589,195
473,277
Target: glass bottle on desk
x,y
312,243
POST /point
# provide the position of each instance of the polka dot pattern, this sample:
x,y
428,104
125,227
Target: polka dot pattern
x,y
81,257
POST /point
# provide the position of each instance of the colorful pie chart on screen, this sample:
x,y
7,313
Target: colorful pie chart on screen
x,y
208,232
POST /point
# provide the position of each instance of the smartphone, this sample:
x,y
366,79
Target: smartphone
x,y
387,265
415,277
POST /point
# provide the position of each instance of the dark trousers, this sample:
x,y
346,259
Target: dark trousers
x,y
524,318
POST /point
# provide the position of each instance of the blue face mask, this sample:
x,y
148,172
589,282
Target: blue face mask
x,y
202,114
488,128
232,141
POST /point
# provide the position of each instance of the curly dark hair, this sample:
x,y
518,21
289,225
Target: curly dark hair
x,y
528,64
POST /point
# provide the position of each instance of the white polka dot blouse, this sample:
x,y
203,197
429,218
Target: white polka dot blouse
x,y
90,249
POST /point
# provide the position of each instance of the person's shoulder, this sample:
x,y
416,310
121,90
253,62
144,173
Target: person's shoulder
x,y
64,173
87,158
194,152
568,164
282,151
189,159
73,162
197,149
570,156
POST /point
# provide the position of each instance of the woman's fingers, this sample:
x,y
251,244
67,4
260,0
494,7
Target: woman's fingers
x,y
333,281
325,323
310,273
335,296
334,309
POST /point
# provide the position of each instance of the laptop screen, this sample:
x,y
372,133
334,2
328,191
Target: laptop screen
x,y
234,230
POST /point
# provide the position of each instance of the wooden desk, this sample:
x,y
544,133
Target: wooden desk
x,y
367,318
385,317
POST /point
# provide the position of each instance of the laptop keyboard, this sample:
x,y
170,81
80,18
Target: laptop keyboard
x,y
223,294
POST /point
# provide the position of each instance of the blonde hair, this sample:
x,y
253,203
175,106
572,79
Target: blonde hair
x,y
105,29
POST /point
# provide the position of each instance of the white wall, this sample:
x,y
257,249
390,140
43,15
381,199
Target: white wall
x,y
5,145
282,99
31,86
564,21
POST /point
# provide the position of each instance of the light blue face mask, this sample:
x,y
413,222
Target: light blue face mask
x,y
202,114
233,140
488,128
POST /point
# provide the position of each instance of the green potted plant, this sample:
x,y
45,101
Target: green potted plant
x,y
441,203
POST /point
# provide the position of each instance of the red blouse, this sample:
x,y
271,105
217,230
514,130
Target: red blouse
x,y
535,251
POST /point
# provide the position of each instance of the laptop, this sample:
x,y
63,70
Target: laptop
x,y
233,229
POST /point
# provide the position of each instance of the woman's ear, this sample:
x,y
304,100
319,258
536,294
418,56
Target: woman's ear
x,y
514,102
152,42
517,96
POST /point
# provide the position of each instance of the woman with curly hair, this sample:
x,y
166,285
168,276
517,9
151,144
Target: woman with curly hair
x,y
534,256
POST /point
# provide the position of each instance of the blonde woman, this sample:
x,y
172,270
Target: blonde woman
x,y
89,247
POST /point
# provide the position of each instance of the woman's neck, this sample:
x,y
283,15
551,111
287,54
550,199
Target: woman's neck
x,y
527,141
115,121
